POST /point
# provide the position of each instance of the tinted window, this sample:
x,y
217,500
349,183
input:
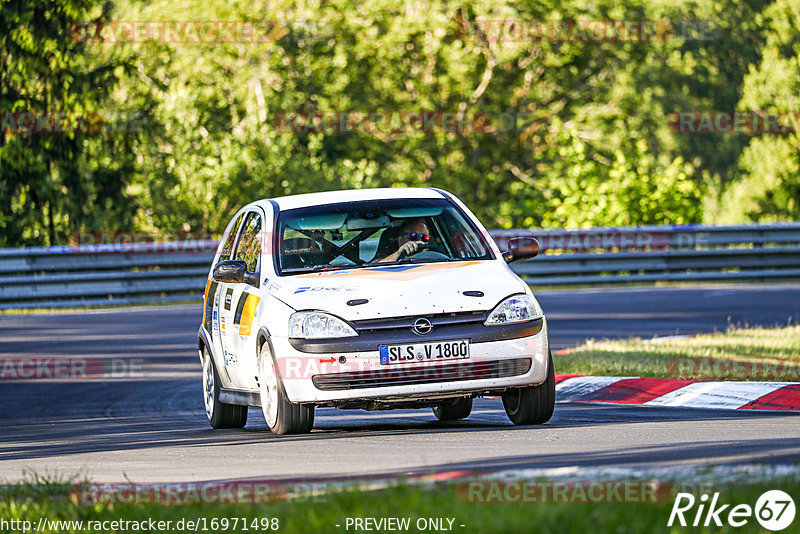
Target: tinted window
x,y
249,249
367,233
227,247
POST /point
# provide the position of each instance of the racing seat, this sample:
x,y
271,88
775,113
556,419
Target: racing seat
x,y
387,244
299,252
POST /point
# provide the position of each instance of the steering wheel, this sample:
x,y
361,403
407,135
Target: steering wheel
x,y
426,249
431,254
434,249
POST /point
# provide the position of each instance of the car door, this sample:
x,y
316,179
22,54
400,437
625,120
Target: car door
x,y
219,295
240,302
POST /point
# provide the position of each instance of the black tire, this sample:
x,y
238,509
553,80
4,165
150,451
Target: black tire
x,y
532,405
290,418
453,410
219,415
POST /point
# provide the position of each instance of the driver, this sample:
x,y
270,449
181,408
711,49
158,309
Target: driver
x,y
413,235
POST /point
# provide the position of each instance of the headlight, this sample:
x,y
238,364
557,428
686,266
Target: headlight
x,y
318,325
516,309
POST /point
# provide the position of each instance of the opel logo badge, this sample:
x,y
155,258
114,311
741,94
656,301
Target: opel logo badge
x,y
422,326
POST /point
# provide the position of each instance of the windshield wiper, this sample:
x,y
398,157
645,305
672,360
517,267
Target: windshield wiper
x,y
403,261
412,259
314,269
407,259
324,267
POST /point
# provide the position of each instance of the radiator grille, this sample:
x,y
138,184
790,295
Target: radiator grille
x,y
404,376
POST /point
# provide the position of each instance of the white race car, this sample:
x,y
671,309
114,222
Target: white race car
x,y
369,299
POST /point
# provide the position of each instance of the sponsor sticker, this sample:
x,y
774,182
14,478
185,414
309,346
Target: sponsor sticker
x,y
310,289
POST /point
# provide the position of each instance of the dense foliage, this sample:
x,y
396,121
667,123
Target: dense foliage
x,y
196,125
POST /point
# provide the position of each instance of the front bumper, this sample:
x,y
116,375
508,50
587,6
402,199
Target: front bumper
x,y
516,358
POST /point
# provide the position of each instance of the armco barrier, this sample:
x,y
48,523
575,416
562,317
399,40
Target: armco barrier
x,y
69,276
660,253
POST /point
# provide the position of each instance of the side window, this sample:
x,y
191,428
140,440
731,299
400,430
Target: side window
x,y
227,247
249,248
465,240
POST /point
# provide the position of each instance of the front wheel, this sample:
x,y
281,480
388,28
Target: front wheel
x,y
219,415
282,416
532,405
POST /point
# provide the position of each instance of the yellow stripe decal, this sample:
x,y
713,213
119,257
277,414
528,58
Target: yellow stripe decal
x,y
205,300
247,315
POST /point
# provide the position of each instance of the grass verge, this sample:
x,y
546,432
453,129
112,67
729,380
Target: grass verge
x,y
738,354
324,513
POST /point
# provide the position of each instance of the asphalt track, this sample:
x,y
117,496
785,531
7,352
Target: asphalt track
x,y
151,427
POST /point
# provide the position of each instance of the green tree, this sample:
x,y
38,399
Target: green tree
x,y
769,186
590,143
221,101
56,184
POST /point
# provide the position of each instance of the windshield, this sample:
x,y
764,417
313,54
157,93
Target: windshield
x,y
376,232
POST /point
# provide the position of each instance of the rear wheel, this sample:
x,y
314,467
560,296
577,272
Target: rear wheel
x,y
532,405
453,410
219,415
281,415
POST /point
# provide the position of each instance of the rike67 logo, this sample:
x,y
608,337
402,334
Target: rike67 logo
x,y
774,510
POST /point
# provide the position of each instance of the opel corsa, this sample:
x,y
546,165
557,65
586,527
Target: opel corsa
x,y
369,299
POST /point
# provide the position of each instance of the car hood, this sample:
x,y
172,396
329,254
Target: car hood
x,y
400,290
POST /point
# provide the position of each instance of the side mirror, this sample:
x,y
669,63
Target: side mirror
x,y
521,248
234,272
230,271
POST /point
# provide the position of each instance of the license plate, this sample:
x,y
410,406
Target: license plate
x,y
457,349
